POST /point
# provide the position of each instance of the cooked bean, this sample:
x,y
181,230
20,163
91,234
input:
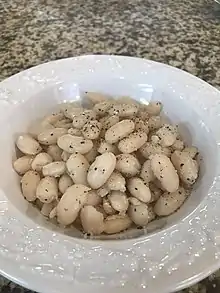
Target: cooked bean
x,y
116,223
80,120
167,135
124,110
154,108
47,208
105,147
93,199
23,164
109,210
41,160
70,203
75,131
139,214
168,203
191,151
116,182
54,169
28,145
102,108
91,129
128,165
139,189
47,190
146,172
72,144
186,167
77,167
50,136
55,152
92,220
165,172
118,201
101,169
64,182
132,142
150,148
119,131
29,183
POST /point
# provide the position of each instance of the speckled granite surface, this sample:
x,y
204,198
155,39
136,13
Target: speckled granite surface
x,y
182,33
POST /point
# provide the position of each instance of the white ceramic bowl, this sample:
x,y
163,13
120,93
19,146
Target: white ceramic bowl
x,y
186,247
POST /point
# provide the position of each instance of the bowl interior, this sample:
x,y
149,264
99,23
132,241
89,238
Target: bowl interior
x,y
176,106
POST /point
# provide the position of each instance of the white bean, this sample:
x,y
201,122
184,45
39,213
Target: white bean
x,y
64,182
170,202
50,136
156,192
139,214
116,223
55,152
65,123
93,199
29,183
70,203
91,129
150,148
72,144
191,151
92,220
167,135
141,125
116,182
92,154
47,208
101,169
139,189
146,172
128,165
102,108
186,167
77,167
23,164
119,131
133,142
53,118
38,127
109,210
118,201
82,118
151,213
134,201
41,160
54,169
28,145
103,191
154,122
154,108
109,121
65,156
47,190
105,147
75,131
165,172
124,110
70,110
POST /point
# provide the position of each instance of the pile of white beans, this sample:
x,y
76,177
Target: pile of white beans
x,y
105,168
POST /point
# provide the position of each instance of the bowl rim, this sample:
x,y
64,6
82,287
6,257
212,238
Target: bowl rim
x,y
204,245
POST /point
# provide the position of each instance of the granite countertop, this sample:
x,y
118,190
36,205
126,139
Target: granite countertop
x,y
182,33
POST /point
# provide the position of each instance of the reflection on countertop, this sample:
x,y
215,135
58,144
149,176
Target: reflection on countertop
x,y
182,33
